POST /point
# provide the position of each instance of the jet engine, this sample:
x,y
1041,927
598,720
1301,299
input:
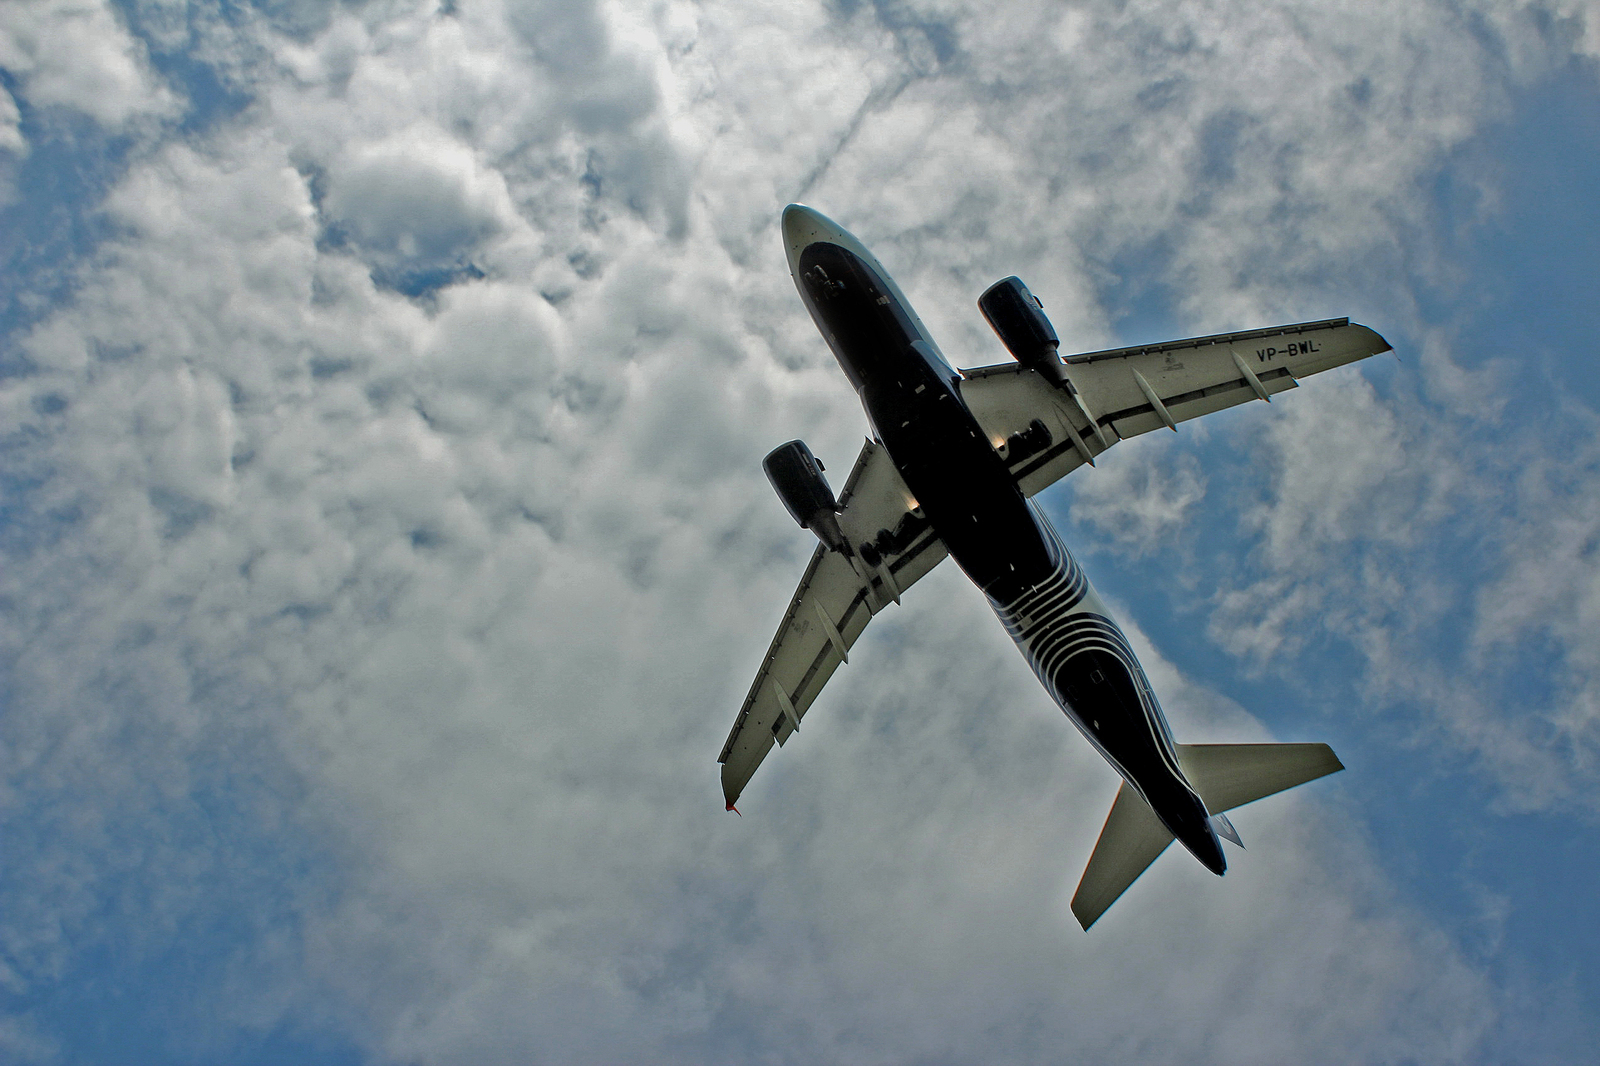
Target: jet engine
x,y
1017,317
796,476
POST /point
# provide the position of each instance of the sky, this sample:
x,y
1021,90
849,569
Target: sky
x,y
384,552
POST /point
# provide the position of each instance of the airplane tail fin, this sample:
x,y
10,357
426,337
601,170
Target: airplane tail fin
x,y
1225,775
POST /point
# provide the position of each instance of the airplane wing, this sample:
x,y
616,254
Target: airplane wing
x,y
1122,392
835,600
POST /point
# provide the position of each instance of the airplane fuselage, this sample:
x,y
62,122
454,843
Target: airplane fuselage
x,y
999,539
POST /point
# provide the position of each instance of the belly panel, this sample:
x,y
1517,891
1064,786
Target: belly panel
x,y
1085,662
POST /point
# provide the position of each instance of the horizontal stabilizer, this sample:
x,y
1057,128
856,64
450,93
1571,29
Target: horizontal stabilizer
x,y
1132,838
1231,775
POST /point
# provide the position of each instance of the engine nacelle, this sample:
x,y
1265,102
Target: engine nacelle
x,y
796,476
1017,318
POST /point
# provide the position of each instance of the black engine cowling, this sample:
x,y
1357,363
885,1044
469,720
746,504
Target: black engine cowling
x,y
1017,317
796,476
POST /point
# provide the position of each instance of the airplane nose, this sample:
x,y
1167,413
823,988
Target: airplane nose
x,y
799,221
801,227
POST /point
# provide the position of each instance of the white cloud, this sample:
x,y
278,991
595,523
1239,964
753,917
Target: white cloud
x,y
1140,495
417,199
76,54
11,138
464,590
13,146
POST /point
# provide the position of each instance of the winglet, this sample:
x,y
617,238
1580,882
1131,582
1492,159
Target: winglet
x,y
734,809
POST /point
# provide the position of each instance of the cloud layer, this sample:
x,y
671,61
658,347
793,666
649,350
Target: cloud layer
x,y
385,555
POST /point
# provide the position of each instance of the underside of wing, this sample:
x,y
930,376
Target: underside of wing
x,y
1122,392
894,546
1043,431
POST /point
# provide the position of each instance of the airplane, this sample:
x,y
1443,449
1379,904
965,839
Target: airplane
x,y
951,468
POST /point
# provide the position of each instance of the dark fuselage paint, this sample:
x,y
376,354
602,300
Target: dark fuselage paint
x,y
1002,542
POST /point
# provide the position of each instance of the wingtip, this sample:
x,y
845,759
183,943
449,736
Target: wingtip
x,y
1382,344
734,809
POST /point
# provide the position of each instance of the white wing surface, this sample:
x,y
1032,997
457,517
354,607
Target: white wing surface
x,y
1132,839
836,599
1120,393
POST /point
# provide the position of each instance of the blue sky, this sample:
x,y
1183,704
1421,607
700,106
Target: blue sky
x,y
385,552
